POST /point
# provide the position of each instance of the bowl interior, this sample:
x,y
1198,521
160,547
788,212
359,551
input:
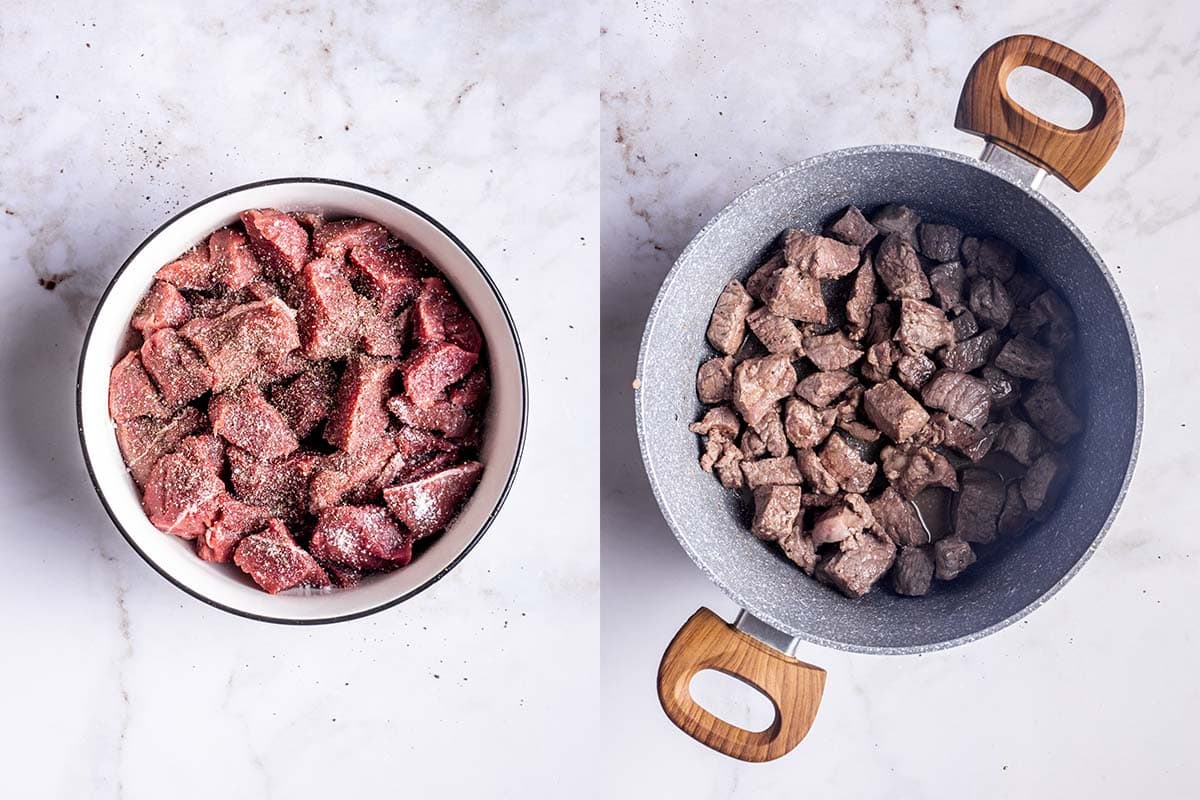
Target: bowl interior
x,y
224,584
1102,380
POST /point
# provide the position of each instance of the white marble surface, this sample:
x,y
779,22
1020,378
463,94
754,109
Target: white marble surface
x,y
117,685
1093,695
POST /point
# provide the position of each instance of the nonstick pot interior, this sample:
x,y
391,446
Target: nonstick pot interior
x,y
1103,380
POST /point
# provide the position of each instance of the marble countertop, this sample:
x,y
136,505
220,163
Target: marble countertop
x,y
1093,695
117,685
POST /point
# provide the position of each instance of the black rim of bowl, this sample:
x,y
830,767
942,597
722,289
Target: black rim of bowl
x,y
487,523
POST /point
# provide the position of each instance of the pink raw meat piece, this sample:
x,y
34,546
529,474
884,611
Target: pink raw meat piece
x,y
309,220
471,392
205,449
181,496
326,489
391,274
277,239
131,394
415,450
328,310
414,443
280,486
143,441
359,415
206,307
262,290
244,418
433,367
234,521
352,475
161,307
335,238
276,562
443,416
427,505
383,334
343,577
233,265
362,537
177,369
305,402
439,316
423,469
291,365
190,271
244,339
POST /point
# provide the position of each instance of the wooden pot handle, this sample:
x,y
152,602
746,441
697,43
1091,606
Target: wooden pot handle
x,y
708,642
1075,156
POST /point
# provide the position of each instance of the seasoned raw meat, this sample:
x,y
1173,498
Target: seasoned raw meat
x,y
922,327
1043,481
832,351
361,537
329,312
177,369
894,411
359,415
244,339
777,334
439,316
900,269
951,557
862,300
471,392
799,548
939,242
433,367
791,293
776,508
818,256
897,219
1050,414
390,274
850,517
971,354
912,470
131,394
1026,359
714,380
279,486
759,382
426,506
338,237
244,418
947,281
960,395
276,562
854,572
233,265
990,257
144,440
822,388
233,521
190,271
162,307
771,472
181,496
915,370
443,416
852,228
896,519
977,511
727,327
305,402
805,425
989,302
277,240
845,464
913,572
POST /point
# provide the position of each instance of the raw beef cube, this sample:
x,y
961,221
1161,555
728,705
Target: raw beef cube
x,y
359,416
130,392
472,391
181,497
279,486
291,365
244,418
1015,514
854,572
992,258
965,326
727,326
262,290
1019,439
208,307
383,333
756,284
964,439
799,548
343,577
989,302
244,339
832,351
391,275
960,395
206,450
845,464
850,517
822,388
862,300
882,325
759,382
309,220
233,522
792,294
362,537
1004,388
914,371
951,556
818,256
177,369
432,367
439,316
912,470
806,426
190,271
426,506
162,307
443,416
978,508
814,473
776,509
338,237
1026,359
306,401
922,327
1044,481
881,357
899,268
276,563
771,472
852,228
233,265
894,411
777,334
947,281
1050,414
328,316
277,239
912,574
143,441
896,518
714,380
970,354
897,219
939,242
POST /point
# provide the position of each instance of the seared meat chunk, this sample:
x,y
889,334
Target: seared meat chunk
x,y
846,465
894,411
822,388
758,280
1018,439
1024,286
752,445
727,327
862,299
1016,514
728,467
951,556
965,326
850,517
896,518
777,334
897,219
899,268
939,242
832,351
771,472
912,470
1059,322
914,371
805,425
714,380
881,357
989,302
816,477
719,421
759,382
770,429
775,511
1026,359
962,438
793,294
913,573
854,572
922,327
978,508
992,258
959,395
798,546
1043,482
970,354
852,228
883,323
1050,414
1003,387
947,281
818,256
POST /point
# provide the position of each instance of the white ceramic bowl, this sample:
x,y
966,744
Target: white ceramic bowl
x,y
223,585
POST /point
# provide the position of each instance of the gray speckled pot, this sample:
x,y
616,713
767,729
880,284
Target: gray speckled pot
x,y
1105,378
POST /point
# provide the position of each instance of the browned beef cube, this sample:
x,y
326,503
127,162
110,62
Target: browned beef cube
x,y
896,518
814,473
947,282
922,327
161,307
822,388
359,416
850,517
939,242
756,284
233,265
1019,439
727,327
391,274
914,371
791,293
894,411
752,446
426,506
862,299
1059,329
819,500
1044,481
818,256
992,258
798,546
363,537
960,395
306,401
1026,359
728,468
989,302
805,425
190,271
978,508
912,574
965,326
177,369
244,418
899,268
970,354
771,472
881,357
852,228
181,496
432,368
144,440
244,339
438,316
770,429
1015,515
276,563
912,470
714,380
897,219
854,572
1024,286
280,486
776,509
1050,414
1004,387
721,420
831,351
131,394
883,324
339,237
759,382
277,239
777,334
962,438
859,430
853,473
951,557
